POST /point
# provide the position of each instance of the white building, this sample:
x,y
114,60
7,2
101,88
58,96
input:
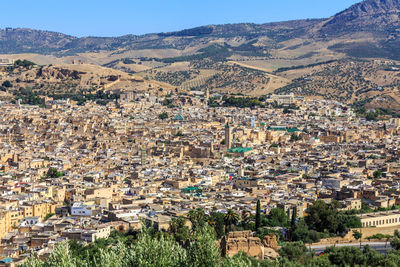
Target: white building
x,y
79,209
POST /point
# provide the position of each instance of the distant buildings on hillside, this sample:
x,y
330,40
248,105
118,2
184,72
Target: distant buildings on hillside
x,y
6,62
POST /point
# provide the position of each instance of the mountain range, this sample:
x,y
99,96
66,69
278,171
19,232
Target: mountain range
x,y
336,58
371,27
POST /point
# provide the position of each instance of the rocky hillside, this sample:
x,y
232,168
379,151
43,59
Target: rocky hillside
x,y
367,29
33,41
373,16
81,82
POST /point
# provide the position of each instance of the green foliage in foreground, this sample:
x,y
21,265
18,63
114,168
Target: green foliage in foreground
x,y
147,251
151,248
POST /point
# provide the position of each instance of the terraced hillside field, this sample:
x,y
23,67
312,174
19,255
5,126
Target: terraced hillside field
x,y
370,82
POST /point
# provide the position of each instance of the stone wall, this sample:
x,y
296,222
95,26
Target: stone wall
x,y
244,241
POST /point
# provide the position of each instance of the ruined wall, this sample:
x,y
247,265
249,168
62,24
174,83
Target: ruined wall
x,y
244,241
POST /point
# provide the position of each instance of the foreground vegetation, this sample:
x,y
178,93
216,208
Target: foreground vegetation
x,y
198,245
150,248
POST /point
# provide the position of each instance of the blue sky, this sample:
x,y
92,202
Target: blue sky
x,y
119,17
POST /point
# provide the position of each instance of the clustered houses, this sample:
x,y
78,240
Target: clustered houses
x,y
119,165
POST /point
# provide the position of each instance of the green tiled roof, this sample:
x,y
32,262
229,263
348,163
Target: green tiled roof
x,y
179,117
292,130
191,189
289,130
240,149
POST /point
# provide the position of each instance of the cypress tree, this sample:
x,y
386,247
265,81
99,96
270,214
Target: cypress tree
x,y
293,225
258,215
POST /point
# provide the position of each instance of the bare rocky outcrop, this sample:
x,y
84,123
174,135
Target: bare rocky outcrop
x,y
368,15
60,73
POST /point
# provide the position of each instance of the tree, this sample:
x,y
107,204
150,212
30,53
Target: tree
x,y
178,228
197,218
258,215
7,84
357,235
61,256
217,220
387,237
231,218
245,219
377,174
321,216
371,116
345,256
326,217
299,232
396,233
294,251
163,116
53,173
293,224
294,138
347,221
202,250
277,217
395,243
23,63
151,251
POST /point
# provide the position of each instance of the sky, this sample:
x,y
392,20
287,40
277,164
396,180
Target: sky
x,y
120,17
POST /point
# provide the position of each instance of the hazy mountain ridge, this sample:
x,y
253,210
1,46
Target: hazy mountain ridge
x,y
22,40
379,19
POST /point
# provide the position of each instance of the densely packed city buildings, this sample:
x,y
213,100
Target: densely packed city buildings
x,y
79,172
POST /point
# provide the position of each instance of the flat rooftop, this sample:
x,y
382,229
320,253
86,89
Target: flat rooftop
x,y
379,214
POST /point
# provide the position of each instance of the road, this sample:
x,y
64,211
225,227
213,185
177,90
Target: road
x,y
378,246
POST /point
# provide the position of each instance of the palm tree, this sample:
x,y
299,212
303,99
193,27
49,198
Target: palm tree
x,y
196,217
231,218
178,228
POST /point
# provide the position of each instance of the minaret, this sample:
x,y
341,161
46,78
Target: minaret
x,y
207,94
241,171
228,136
143,156
211,154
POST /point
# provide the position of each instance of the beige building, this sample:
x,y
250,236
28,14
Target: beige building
x,y
93,234
283,99
380,219
245,182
